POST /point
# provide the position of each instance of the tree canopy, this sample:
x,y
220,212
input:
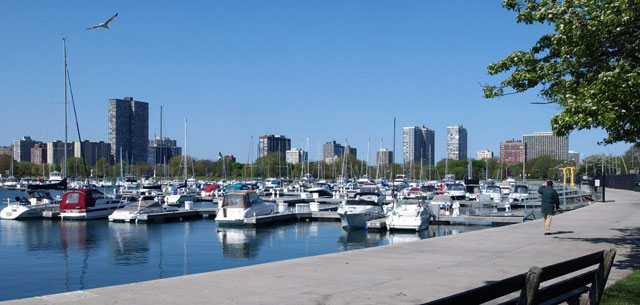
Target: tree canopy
x,y
590,65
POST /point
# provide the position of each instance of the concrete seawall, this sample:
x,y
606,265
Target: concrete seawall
x,y
408,273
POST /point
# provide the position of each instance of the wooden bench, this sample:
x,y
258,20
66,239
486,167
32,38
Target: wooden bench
x,y
566,290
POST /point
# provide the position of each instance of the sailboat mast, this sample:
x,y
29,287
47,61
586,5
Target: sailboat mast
x,y
64,55
185,148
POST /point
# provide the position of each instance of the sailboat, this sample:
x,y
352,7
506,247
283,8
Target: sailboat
x,y
188,191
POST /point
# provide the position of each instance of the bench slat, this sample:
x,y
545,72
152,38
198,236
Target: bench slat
x,y
484,293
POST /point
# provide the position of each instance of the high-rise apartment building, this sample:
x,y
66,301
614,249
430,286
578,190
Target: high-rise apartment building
x,y
485,154
129,129
91,151
333,150
39,154
273,143
541,144
296,155
456,143
574,156
55,152
418,145
22,148
6,150
162,149
384,157
512,152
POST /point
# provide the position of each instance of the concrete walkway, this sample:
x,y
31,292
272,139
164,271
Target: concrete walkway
x,y
407,273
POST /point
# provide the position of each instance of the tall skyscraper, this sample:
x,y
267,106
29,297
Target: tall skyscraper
x,y
129,129
273,143
456,143
418,145
512,152
541,144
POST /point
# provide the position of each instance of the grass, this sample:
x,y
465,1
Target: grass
x,y
624,291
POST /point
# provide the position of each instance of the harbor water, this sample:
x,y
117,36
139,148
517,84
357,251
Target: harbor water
x,y
43,256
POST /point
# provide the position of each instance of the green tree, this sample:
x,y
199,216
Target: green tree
x,y
5,164
590,65
102,165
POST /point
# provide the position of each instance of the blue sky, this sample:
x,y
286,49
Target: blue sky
x,y
235,69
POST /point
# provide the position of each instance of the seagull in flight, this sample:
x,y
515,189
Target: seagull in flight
x,y
104,24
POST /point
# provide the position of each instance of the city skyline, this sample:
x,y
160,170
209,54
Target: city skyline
x,y
316,70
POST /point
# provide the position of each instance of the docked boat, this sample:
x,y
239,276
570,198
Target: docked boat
x,y
457,191
520,193
494,192
367,205
32,206
146,204
409,214
88,204
239,205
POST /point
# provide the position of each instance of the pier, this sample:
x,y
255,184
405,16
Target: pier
x,y
407,273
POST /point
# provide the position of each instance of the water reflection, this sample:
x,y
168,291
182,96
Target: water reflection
x,y
129,244
358,239
239,242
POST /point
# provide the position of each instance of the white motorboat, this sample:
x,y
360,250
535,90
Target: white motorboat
x,y
88,204
37,202
146,204
239,205
494,192
520,193
367,205
409,214
457,191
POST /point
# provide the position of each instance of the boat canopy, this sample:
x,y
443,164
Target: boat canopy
x,y
240,199
211,188
80,199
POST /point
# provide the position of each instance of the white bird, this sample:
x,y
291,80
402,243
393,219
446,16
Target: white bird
x,y
104,24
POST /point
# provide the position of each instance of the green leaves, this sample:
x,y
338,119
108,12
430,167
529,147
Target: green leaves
x,y
590,66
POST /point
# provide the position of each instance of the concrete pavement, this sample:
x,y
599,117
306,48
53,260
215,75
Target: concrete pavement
x,y
407,273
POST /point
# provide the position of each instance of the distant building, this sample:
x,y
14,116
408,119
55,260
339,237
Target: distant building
x,y
162,149
273,143
574,156
6,150
92,151
22,148
39,154
456,143
333,150
541,144
485,154
231,158
418,145
384,157
512,152
55,152
129,130
296,155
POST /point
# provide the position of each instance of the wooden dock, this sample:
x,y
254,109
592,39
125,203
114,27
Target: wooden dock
x,y
380,224
177,215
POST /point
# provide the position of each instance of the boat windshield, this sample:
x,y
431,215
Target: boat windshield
x,y
522,189
233,200
456,187
492,189
361,202
409,202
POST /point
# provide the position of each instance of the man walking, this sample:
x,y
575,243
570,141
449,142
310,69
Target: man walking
x,y
550,201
